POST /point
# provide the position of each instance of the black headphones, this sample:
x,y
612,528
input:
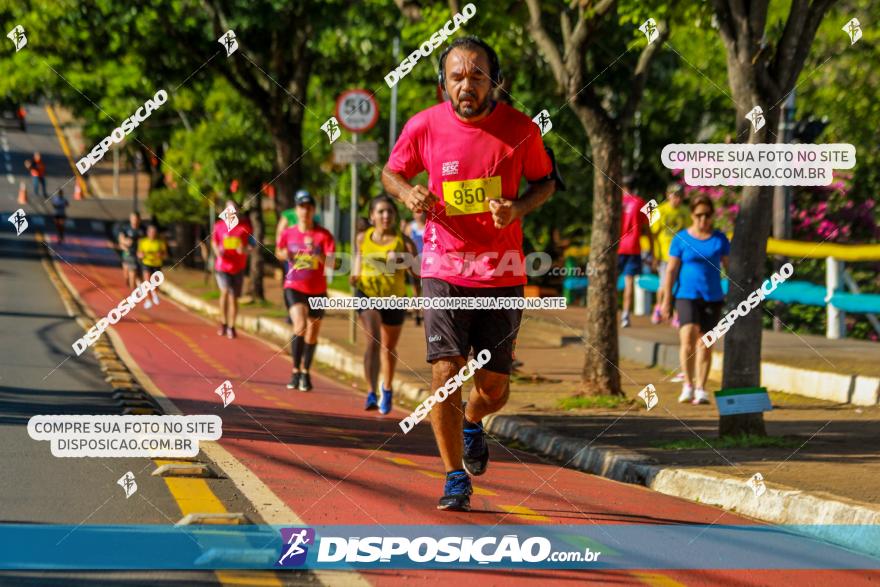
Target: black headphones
x,y
495,74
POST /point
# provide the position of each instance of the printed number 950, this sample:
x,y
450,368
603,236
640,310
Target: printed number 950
x,y
469,196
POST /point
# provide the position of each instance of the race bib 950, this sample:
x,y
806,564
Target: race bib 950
x,y
471,196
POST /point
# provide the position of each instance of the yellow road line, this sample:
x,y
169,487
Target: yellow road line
x,y
521,511
256,578
66,149
401,461
192,494
657,580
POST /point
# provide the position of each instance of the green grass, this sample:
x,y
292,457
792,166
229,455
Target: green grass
x,y
592,401
258,304
211,295
743,441
274,314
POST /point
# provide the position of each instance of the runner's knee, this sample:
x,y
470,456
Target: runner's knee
x,y
446,367
494,393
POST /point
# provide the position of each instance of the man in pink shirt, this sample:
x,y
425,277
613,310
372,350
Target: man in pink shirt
x,y
230,243
476,151
633,222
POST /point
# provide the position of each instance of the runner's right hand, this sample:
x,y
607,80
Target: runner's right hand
x,y
419,199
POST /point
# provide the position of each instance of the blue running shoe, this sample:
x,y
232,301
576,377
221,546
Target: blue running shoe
x,y
456,493
372,401
475,457
385,403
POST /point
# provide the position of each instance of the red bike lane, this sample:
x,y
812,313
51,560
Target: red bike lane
x,y
333,463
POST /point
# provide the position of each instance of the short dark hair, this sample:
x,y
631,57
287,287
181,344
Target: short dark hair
x,y
702,200
472,42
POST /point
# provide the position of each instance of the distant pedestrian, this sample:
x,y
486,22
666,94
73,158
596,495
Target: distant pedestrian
x,y
128,242
629,248
231,246
152,252
672,216
60,203
693,278
38,174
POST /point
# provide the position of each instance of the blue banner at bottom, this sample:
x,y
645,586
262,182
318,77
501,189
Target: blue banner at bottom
x,y
587,547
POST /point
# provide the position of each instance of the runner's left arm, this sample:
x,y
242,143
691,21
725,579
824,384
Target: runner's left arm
x,y
506,211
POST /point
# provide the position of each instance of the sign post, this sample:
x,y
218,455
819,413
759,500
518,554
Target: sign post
x,y
357,112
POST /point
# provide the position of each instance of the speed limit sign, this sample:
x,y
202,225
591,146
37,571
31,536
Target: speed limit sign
x,y
357,110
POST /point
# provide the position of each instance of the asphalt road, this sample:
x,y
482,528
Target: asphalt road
x,y
40,375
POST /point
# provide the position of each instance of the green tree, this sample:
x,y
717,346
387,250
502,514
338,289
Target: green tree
x,y
765,57
606,116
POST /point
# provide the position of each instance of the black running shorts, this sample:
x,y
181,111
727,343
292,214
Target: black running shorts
x,y
453,333
292,296
699,311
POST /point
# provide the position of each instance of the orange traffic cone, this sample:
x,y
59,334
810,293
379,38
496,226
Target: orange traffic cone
x,y
22,194
77,191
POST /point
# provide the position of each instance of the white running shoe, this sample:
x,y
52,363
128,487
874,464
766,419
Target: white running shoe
x,y
687,394
701,397
624,321
155,298
679,378
148,304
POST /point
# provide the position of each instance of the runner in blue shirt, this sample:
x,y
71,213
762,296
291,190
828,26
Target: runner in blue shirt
x,y
693,278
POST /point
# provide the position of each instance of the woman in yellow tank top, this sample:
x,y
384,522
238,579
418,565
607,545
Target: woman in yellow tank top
x,y
376,274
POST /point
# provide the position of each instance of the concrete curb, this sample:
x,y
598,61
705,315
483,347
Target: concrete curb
x,y
834,387
827,517
821,515
859,390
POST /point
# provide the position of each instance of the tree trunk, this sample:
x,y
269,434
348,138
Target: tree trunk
x,y
185,239
288,161
257,263
600,373
748,256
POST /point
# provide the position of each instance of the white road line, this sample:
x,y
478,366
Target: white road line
x,y
8,157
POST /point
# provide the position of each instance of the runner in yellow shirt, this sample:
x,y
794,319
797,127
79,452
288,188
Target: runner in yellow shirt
x,y
152,252
673,217
376,273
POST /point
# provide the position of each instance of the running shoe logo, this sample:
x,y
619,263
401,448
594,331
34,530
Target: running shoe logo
x,y
435,338
294,550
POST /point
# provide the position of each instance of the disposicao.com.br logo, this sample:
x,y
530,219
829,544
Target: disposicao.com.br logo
x,y
295,546
403,551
